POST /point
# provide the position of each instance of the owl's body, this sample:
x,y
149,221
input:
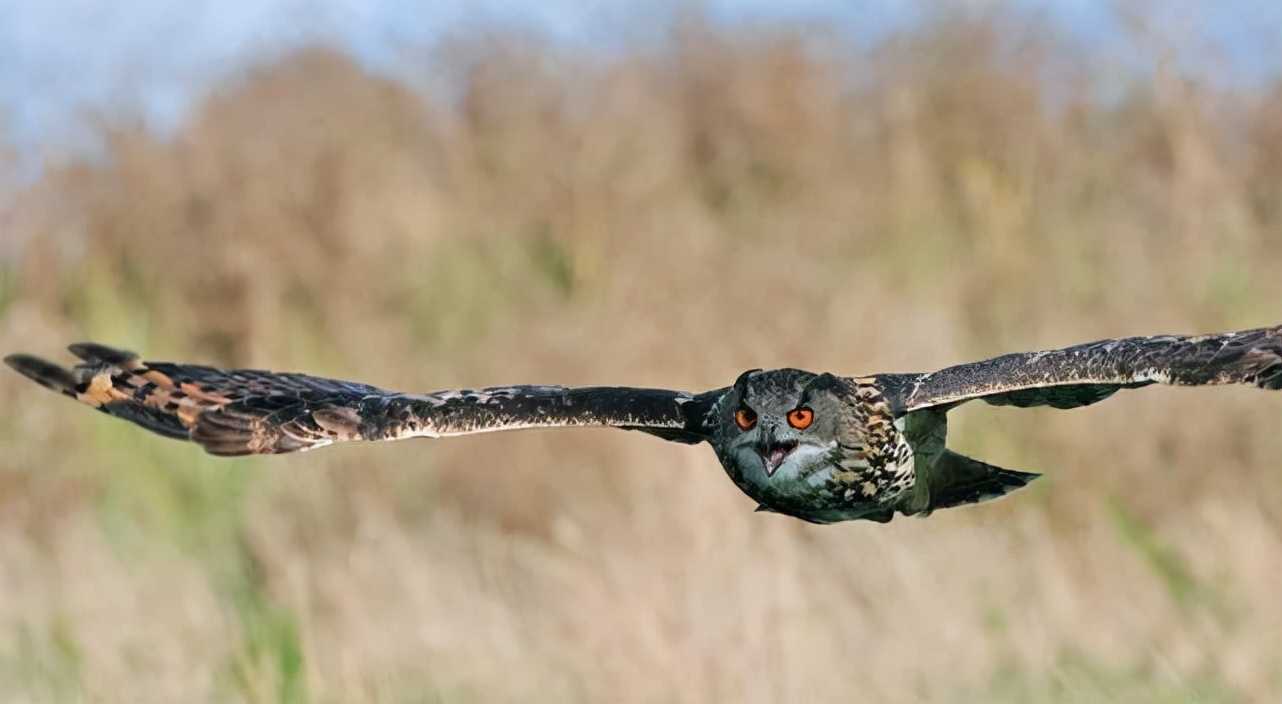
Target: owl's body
x,y
857,459
820,447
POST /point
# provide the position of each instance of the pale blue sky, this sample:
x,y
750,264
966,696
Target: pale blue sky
x,y
59,58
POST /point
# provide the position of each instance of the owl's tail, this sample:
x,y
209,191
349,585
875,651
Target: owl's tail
x,y
958,480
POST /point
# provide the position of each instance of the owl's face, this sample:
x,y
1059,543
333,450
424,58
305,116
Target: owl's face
x,y
779,431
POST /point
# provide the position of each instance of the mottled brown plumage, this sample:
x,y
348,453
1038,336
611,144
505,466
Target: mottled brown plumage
x,y
867,446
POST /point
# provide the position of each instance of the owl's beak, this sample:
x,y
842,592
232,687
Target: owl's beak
x,y
773,452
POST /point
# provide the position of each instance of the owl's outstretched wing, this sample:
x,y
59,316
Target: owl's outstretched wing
x,y
1084,374
242,411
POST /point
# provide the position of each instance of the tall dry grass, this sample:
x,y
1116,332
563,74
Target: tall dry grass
x,y
665,216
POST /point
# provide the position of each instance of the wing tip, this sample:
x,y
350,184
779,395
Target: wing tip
x,y
42,372
96,352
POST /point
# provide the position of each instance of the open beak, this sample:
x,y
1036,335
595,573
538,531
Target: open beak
x,y
774,452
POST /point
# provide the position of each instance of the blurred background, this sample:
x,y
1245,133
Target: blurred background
x,y
475,194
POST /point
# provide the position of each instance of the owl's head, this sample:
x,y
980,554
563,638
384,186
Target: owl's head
x,y
780,425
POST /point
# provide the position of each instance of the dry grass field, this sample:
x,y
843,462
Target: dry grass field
x,y
665,215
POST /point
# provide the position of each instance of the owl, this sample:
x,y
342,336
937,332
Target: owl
x,y
815,446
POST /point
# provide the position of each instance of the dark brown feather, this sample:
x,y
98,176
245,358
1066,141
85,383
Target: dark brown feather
x,y
1084,374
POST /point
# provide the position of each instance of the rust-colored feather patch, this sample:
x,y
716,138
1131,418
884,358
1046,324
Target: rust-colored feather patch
x,y
98,391
197,393
159,379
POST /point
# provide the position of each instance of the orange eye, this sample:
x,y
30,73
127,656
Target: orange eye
x,y
801,418
745,418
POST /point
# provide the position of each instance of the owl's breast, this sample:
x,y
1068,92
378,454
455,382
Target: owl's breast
x,y
825,484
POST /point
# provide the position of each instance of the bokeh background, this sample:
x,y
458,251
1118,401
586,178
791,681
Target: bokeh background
x,y
457,195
